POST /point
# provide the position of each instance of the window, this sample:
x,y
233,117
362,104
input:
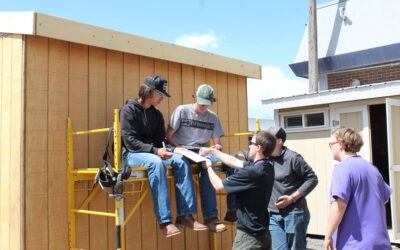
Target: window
x,y
312,120
305,120
294,121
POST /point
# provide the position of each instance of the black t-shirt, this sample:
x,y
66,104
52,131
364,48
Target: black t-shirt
x,y
253,186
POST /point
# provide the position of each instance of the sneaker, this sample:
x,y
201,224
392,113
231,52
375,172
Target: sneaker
x,y
230,216
214,225
168,229
190,222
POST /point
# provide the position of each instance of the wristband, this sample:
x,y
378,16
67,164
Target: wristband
x,y
293,199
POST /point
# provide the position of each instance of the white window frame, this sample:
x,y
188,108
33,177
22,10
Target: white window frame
x,y
303,114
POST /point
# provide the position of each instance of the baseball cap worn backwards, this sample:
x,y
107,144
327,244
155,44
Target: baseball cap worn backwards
x,y
205,95
157,82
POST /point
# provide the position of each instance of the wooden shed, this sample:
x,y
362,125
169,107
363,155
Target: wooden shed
x,y
52,69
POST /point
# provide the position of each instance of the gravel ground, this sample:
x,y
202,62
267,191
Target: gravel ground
x,y
316,243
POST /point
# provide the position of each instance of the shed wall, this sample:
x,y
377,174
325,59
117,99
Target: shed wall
x,y
87,83
314,149
11,141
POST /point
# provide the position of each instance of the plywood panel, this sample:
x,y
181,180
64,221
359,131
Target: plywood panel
x,y
188,84
148,223
131,76
5,136
161,68
313,146
36,147
97,119
175,90
233,114
242,111
10,126
16,143
199,79
223,107
131,84
57,171
114,100
79,113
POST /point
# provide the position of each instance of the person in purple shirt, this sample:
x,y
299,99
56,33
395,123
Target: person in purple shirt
x,y
357,217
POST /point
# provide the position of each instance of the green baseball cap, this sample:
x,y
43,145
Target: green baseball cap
x,y
205,95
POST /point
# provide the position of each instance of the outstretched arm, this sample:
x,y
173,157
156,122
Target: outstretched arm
x,y
225,158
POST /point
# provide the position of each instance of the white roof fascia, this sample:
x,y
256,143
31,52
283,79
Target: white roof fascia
x,y
17,22
362,92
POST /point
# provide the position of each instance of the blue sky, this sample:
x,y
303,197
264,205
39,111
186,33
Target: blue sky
x,y
263,32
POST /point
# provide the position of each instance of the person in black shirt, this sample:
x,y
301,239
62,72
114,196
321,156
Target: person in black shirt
x,y
252,184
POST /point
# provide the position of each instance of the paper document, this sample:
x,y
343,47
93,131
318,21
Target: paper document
x,y
190,154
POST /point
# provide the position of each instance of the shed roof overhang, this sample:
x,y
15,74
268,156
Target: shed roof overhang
x,y
352,60
32,23
363,92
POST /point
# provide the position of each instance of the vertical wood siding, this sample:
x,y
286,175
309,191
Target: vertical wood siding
x,y
11,141
87,83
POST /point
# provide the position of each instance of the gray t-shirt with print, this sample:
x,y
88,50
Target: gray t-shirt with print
x,y
194,129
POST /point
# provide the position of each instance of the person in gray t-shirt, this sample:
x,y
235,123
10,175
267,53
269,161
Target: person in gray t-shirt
x,y
193,126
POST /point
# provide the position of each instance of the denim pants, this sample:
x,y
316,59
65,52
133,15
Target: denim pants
x,y
289,231
157,175
245,241
231,198
208,195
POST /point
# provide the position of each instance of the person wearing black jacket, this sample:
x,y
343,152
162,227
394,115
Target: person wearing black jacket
x,y
143,137
294,180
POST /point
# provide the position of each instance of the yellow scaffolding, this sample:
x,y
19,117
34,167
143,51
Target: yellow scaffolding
x,y
88,174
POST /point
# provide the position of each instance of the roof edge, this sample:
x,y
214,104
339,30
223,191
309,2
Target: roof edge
x,y
351,60
33,23
376,90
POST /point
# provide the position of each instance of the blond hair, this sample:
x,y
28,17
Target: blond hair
x,y
348,138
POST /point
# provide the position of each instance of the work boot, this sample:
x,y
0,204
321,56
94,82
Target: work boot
x,y
168,229
190,222
214,225
230,216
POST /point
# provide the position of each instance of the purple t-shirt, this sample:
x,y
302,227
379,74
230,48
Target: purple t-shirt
x,y
362,187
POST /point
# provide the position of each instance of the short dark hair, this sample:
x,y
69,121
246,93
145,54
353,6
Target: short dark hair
x,y
279,132
266,140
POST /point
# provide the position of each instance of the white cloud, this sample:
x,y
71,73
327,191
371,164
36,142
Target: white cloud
x,y
204,41
273,84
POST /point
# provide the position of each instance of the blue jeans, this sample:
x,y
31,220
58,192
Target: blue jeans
x,y
208,194
157,175
289,231
231,198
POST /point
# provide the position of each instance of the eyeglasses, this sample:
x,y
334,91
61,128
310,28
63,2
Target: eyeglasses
x,y
332,143
252,143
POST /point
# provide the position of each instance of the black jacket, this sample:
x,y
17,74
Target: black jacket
x,y
142,130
